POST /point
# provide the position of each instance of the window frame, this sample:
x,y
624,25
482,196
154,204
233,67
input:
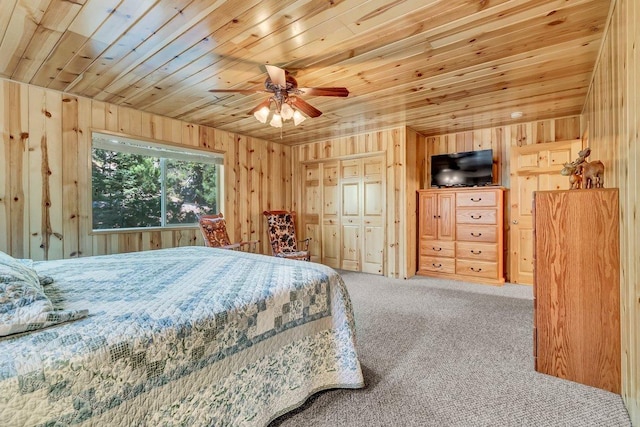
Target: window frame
x,y
215,157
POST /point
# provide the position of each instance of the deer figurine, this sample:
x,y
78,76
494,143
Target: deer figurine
x,y
592,174
575,180
583,174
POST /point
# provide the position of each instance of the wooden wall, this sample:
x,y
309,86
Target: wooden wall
x,y
400,181
500,139
612,112
45,175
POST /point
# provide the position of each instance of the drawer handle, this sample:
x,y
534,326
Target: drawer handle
x,y
476,270
436,265
476,234
476,217
476,252
476,200
436,249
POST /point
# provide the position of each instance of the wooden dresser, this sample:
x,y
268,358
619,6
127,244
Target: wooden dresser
x,y
577,286
460,234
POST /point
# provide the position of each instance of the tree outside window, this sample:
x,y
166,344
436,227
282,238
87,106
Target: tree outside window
x,y
140,185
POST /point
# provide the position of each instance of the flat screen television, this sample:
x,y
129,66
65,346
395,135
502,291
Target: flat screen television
x,y
465,169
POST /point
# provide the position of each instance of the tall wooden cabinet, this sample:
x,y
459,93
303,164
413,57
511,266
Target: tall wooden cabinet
x,y
460,234
577,286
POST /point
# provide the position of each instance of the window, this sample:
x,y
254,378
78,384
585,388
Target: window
x,y
138,184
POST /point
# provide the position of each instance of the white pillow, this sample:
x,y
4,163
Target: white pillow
x,y
23,303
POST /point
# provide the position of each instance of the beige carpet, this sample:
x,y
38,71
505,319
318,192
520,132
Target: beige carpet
x,y
448,353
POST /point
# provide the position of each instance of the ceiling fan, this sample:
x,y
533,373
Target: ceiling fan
x,y
285,97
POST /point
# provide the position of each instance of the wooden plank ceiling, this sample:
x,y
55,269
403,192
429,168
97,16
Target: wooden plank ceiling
x,y
438,66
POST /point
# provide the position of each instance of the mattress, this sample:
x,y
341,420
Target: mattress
x,y
185,336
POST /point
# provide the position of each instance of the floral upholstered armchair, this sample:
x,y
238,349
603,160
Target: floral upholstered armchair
x,y
281,229
214,231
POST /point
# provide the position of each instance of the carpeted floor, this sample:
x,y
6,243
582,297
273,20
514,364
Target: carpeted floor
x,y
448,353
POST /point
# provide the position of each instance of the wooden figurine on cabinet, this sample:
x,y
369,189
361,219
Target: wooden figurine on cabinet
x,y
575,179
592,174
583,174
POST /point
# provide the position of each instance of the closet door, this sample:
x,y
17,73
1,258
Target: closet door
x,y
362,190
373,191
310,216
331,215
351,213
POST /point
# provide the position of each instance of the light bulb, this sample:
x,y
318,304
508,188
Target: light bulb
x,y
286,111
298,118
276,121
262,114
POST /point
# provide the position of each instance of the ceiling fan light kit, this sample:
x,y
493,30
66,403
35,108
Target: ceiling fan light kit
x,y
298,118
285,98
262,114
276,121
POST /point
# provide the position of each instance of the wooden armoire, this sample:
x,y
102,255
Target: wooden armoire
x,y
577,286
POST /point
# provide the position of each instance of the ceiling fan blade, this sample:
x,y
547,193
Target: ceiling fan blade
x,y
325,91
305,107
242,91
264,103
277,75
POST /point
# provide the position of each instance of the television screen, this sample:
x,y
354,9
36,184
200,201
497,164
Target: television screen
x,y
466,169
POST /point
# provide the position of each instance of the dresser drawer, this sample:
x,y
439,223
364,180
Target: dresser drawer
x,y
477,233
476,216
482,269
480,198
477,251
438,264
438,248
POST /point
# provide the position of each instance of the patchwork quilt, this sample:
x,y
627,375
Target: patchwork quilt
x,y
189,336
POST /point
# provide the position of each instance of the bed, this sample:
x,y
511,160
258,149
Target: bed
x,y
185,336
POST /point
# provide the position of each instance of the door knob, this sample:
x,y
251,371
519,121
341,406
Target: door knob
x,y
515,221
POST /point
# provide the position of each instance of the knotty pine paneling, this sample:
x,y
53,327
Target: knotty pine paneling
x,y
45,175
401,184
483,58
500,139
611,112
415,172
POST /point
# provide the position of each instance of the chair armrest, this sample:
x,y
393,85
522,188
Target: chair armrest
x,y
231,246
306,243
252,243
249,242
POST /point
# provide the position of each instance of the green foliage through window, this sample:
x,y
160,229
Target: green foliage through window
x,y
137,188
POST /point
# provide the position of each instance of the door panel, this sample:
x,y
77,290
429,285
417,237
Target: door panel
x,y
350,247
372,168
331,201
309,218
428,227
331,244
313,231
446,216
373,249
312,198
350,169
350,199
330,215
373,197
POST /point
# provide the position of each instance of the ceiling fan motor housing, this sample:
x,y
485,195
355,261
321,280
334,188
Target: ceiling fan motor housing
x,y
291,85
